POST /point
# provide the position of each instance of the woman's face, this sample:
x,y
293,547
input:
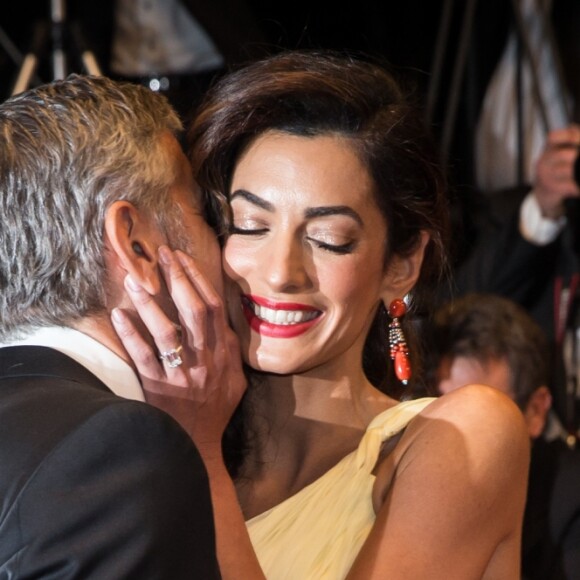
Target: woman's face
x,y
304,261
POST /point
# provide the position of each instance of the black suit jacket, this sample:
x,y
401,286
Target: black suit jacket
x,y
93,485
551,532
503,262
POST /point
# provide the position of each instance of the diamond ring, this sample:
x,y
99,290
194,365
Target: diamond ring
x,y
172,357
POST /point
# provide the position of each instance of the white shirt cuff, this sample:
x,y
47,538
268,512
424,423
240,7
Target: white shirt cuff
x,y
534,227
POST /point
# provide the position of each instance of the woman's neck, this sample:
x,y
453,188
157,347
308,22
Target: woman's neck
x,y
299,408
300,427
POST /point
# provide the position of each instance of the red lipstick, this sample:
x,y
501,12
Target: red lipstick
x,y
276,330
275,305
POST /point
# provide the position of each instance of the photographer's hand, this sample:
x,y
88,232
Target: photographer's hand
x,y
555,181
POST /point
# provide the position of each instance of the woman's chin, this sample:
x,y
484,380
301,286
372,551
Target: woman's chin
x,y
270,364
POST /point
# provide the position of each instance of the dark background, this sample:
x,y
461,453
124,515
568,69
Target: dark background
x,y
403,33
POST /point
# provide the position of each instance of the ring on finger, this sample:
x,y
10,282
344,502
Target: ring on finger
x,y
172,358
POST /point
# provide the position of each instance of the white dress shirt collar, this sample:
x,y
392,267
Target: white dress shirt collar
x,y
107,366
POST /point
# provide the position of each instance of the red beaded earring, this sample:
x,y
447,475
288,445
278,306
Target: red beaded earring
x,y
398,346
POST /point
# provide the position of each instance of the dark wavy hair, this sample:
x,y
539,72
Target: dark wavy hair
x,y
311,93
484,327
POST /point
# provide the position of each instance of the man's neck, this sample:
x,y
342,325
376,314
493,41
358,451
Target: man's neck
x,y
100,328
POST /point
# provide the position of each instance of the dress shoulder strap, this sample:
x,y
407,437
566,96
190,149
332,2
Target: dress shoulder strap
x,y
384,426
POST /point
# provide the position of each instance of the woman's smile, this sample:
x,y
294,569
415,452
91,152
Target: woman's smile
x,y
278,319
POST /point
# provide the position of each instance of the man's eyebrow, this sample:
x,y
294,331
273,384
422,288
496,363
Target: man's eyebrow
x,y
328,210
253,199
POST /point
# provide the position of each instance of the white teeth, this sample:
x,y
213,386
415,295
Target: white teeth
x,y
283,317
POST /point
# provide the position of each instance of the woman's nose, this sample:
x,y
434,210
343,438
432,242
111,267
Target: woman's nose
x,y
286,268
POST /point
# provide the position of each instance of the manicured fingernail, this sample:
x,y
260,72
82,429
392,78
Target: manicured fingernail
x,y
164,254
133,285
117,315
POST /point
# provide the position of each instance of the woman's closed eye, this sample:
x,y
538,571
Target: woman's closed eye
x,y
248,228
332,245
320,238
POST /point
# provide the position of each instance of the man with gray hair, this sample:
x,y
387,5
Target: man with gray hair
x,y
94,482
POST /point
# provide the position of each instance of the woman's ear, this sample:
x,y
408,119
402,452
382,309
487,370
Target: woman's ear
x,y
128,235
403,271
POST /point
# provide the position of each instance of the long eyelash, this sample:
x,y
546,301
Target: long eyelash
x,y
342,249
234,230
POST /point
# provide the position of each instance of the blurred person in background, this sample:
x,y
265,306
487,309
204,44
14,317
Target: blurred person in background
x,y
490,340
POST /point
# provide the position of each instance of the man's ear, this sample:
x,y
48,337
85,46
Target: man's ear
x,y
402,272
128,236
536,411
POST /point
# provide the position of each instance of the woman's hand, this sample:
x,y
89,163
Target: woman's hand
x,y
202,391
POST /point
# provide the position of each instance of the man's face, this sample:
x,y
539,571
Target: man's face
x,y
186,228
463,370
191,233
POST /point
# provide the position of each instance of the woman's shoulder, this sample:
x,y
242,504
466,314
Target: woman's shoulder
x,y
473,407
464,456
476,425
478,414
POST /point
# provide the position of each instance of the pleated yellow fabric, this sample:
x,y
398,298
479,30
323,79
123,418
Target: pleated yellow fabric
x,y
317,533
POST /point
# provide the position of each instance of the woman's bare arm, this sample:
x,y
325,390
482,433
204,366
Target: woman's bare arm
x,y
201,394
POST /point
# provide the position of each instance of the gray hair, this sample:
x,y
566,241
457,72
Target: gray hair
x,y
69,150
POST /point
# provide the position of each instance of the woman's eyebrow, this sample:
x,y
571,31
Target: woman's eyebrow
x,y
310,213
326,210
253,199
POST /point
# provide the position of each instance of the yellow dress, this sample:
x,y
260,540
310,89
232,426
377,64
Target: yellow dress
x,y
317,533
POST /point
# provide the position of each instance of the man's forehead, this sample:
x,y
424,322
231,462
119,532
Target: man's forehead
x,y
461,370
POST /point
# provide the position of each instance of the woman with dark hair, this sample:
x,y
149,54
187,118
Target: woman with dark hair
x,y
337,228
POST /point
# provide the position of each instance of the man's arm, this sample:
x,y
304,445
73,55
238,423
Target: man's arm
x,y
503,261
516,253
